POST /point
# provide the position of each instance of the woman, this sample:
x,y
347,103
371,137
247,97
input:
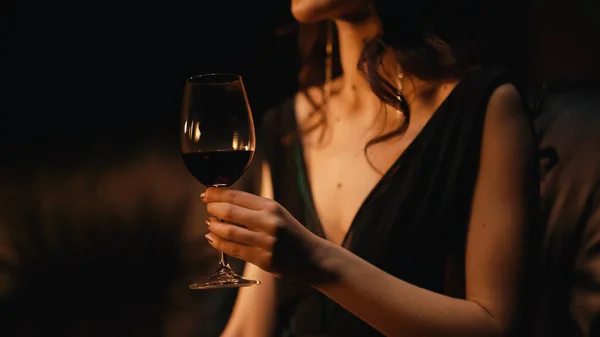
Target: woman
x,y
407,218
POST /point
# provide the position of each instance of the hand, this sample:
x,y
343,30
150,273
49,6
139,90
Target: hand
x,y
262,232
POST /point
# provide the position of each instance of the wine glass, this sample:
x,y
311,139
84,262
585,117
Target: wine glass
x,y
217,145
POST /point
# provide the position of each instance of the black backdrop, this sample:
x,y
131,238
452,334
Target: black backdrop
x,y
105,224
84,75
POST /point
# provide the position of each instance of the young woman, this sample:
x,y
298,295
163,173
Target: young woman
x,y
397,197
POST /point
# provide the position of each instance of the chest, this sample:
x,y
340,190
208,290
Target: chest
x,y
341,178
339,187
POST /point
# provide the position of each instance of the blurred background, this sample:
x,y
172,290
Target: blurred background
x,y
101,228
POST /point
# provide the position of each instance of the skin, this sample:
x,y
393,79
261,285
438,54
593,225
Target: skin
x,y
390,305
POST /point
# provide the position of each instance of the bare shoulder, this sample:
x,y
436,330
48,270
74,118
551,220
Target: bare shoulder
x,y
507,120
506,102
310,100
302,103
307,101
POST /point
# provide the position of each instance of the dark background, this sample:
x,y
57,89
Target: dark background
x,y
100,224
101,227
116,69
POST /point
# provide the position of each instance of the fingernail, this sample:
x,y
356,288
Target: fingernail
x,y
209,238
208,222
202,195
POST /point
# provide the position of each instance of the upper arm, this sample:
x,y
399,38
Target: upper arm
x,y
254,310
504,201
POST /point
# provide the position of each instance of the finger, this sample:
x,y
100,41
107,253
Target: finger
x,y
255,220
239,251
240,235
239,198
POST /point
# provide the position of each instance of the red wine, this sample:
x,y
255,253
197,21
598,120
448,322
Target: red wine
x,y
218,168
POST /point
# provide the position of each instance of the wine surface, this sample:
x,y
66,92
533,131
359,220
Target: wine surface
x,y
218,168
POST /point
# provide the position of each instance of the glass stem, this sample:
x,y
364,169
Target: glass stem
x,y
222,257
223,260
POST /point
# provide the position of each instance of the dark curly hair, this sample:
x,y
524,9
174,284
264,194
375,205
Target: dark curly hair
x,y
431,39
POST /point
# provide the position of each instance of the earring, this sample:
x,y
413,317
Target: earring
x,y
399,89
400,81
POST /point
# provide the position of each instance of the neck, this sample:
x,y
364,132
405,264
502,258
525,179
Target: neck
x,y
355,89
351,36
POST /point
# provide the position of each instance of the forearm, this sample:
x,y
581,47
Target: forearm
x,y
397,308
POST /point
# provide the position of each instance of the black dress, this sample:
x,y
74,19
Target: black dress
x,y
413,223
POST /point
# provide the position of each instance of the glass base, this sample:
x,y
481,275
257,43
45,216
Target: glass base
x,y
224,277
